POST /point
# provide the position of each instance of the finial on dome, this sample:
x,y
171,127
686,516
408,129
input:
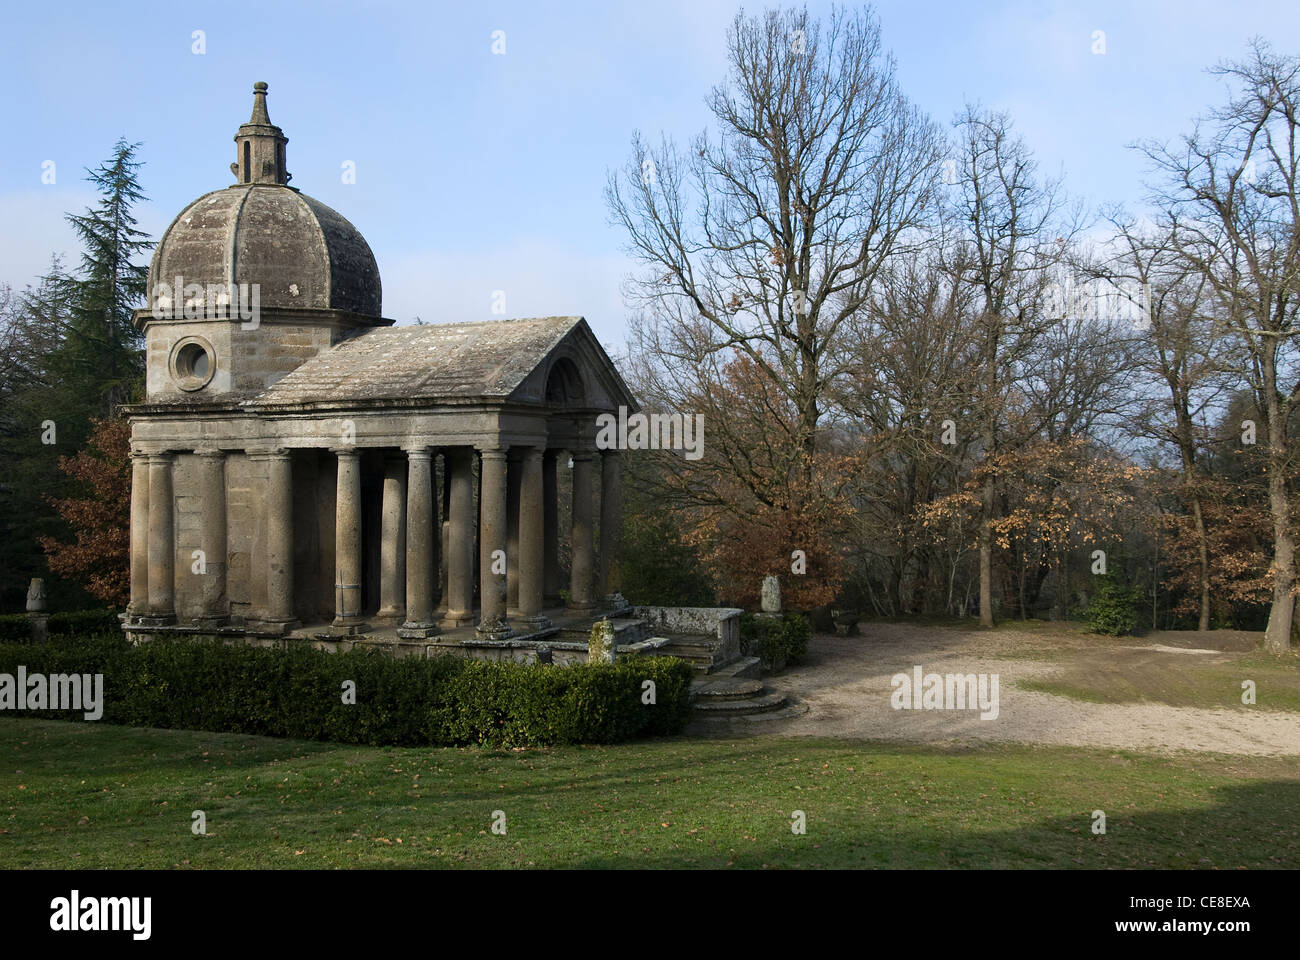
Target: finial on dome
x,y
260,157
259,105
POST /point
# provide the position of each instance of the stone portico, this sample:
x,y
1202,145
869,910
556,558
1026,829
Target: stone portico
x,y
302,467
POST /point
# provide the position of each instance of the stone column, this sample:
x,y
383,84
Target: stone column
x,y
393,533
421,531
212,535
460,539
552,575
531,551
611,526
257,603
347,543
514,467
279,538
442,501
582,572
139,606
492,545
162,542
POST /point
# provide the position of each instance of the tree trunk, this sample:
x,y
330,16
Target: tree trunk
x,y
1277,635
1203,563
986,559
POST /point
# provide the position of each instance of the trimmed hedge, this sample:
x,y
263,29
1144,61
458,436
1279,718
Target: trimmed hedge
x,y
298,692
16,628
775,642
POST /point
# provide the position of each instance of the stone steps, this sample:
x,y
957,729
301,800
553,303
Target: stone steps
x,y
745,667
741,706
728,688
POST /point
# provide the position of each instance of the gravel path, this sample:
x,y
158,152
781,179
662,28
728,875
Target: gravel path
x,y
846,685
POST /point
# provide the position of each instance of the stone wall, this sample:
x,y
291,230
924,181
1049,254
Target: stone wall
x,y
722,622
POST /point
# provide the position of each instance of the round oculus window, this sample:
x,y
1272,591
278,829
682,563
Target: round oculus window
x,y
193,364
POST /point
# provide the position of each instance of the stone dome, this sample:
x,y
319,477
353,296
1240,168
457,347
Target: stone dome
x,y
302,254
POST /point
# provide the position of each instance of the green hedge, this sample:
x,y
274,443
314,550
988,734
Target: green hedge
x,y
16,628
775,642
298,692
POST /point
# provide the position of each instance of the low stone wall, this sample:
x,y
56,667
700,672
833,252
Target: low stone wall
x,y
720,622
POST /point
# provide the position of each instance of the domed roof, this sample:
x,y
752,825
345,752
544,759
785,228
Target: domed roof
x,y
302,254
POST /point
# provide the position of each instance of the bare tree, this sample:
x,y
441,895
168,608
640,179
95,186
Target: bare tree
x,y
1180,349
763,242
1230,192
1017,229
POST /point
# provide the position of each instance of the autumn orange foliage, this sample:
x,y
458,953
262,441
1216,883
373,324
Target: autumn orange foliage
x,y
99,559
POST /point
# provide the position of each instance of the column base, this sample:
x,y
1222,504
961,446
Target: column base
x,y
456,618
391,615
616,602
157,620
422,630
537,623
275,626
494,630
348,626
211,622
580,606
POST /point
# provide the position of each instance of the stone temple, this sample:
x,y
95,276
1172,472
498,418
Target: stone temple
x,y
300,466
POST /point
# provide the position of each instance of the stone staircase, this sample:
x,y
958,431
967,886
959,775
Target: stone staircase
x,y
724,689
735,692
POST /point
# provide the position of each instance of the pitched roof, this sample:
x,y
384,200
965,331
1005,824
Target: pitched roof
x,y
488,359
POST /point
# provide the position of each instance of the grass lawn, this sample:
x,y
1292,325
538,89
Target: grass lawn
x,y
1179,680
92,795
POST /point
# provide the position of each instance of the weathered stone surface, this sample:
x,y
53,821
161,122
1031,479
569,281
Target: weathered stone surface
x,y
771,600
600,648
36,596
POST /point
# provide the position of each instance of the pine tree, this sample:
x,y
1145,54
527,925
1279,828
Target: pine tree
x,y
101,354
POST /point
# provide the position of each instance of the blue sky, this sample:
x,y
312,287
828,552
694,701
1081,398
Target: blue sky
x,y
478,172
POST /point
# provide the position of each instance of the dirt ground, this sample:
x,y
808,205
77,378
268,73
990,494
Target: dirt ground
x,y
845,682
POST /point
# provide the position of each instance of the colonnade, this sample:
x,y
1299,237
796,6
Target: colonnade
x,y
425,565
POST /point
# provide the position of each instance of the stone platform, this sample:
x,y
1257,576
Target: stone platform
x,y
706,637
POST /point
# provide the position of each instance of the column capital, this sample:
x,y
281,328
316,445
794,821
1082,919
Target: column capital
x,y
421,452
210,453
164,456
346,453
279,453
579,453
493,453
